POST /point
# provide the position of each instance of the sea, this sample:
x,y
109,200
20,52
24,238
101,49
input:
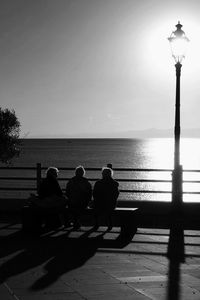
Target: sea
x,y
156,153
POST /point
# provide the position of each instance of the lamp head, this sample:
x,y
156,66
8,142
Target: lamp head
x,y
178,42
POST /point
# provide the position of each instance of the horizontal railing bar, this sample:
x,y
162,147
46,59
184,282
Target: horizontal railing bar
x,y
122,191
123,180
94,169
156,192
191,171
99,169
18,178
137,180
192,193
18,168
129,169
144,191
17,189
90,179
95,179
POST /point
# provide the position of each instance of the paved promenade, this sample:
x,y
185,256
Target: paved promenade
x,y
74,265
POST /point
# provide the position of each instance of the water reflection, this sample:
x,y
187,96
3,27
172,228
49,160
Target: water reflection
x,y
122,153
159,153
190,153
154,153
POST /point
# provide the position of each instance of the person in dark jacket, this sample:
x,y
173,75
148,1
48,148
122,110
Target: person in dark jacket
x,y
49,185
105,196
53,201
79,193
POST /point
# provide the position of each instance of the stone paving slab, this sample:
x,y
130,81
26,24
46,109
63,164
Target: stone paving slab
x,y
107,291
146,278
63,296
5,292
77,265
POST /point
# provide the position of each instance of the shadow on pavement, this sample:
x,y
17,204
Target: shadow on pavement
x,y
61,253
176,255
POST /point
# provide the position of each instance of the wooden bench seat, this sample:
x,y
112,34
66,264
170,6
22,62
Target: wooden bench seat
x,y
123,217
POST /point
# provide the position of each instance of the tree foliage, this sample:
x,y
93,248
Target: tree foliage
x,y
9,135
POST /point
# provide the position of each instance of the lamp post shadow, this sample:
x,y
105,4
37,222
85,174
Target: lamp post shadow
x,y
176,255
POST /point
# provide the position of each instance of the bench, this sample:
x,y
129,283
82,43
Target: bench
x,y
123,217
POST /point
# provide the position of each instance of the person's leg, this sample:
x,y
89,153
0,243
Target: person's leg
x,y
76,216
109,221
96,219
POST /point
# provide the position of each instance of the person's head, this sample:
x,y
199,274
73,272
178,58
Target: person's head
x,y
52,172
107,172
80,171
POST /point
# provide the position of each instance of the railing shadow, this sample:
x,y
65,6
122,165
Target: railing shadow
x,y
59,254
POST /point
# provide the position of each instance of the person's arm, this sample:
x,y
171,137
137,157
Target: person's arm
x,y
67,190
89,190
117,190
41,192
58,190
95,190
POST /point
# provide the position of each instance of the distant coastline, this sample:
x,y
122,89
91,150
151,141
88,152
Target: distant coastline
x,y
131,134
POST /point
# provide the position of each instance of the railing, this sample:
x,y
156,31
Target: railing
x,y
134,183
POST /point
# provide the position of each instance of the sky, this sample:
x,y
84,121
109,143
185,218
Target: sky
x,y
97,67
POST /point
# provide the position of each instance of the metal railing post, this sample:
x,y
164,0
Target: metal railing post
x,y
38,175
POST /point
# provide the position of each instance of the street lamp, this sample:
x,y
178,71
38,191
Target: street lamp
x,y
178,42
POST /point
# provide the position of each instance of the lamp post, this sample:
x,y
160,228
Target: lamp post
x,y
178,42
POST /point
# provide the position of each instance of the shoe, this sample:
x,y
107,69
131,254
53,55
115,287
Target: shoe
x,y
76,225
67,224
109,228
95,227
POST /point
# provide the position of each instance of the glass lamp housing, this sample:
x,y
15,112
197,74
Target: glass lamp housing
x,y
178,42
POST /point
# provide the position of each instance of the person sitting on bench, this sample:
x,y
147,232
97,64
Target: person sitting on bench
x,y
105,194
79,193
49,185
52,200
